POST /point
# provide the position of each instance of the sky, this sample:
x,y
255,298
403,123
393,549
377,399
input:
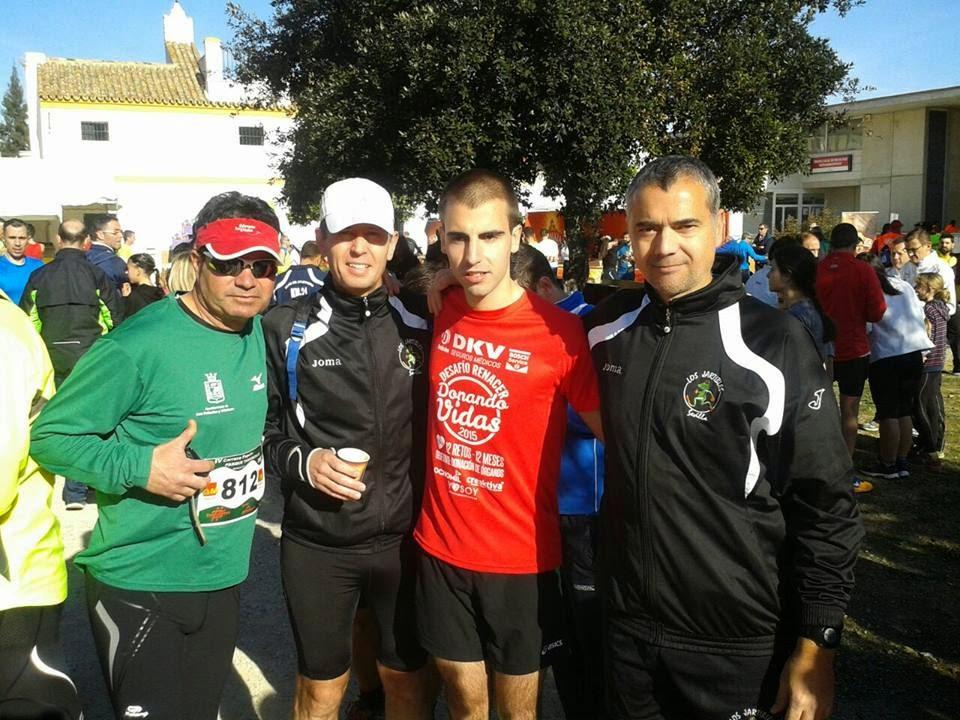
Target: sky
x,y
896,46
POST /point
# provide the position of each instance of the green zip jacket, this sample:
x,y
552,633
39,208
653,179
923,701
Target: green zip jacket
x,y
135,389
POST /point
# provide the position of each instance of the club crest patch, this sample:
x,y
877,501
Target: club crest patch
x,y
702,393
411,356
213,388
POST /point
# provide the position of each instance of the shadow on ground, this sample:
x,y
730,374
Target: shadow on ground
x,y
901,656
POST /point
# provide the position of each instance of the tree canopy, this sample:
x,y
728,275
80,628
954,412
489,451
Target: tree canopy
x,y
411,92
14,131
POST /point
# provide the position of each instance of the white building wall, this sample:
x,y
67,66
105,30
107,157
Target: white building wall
x,y
160,165
167,142
887,174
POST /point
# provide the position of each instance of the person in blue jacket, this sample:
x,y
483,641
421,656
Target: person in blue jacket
x,y
303,279
15,266
106,237
579,674
744,252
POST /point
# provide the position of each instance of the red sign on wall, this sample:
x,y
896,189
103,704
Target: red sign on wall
x,y
831,163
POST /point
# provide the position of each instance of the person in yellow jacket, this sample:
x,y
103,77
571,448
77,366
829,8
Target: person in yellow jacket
x,y
33,576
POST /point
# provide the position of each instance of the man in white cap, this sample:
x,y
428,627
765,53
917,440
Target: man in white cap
x,y
183,380
346,370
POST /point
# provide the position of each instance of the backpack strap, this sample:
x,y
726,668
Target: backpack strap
x,y
299,327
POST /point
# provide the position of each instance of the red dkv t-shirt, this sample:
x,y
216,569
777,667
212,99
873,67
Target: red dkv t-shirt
x,y
499,384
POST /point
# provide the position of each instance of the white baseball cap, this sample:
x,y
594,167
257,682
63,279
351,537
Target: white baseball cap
x,y
356,201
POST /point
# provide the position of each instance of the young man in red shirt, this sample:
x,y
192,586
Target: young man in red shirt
x,y
504,365
850,295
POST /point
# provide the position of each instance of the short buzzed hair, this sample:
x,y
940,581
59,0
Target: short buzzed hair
x,y
844,235
665,171
475,187
309,250
72,232
528,265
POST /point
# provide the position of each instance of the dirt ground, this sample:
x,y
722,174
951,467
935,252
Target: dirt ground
x,y
901,655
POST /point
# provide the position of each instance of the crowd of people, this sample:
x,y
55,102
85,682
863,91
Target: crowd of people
x,y
482,474
883,313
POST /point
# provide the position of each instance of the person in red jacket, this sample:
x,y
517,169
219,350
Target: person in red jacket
x,y
890,232
850,295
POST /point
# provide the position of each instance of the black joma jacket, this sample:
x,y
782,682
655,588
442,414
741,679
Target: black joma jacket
x,y
728,515
362,381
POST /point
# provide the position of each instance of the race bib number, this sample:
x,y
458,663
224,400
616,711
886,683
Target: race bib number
x,y
234,490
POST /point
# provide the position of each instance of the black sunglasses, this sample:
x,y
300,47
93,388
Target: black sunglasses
x,y
233,267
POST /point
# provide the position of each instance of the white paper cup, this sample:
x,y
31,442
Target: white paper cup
x,y
355,457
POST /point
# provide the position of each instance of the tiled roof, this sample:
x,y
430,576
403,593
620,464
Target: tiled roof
x,y
173,83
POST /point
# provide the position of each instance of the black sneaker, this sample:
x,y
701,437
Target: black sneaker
x,y
903,468
881,470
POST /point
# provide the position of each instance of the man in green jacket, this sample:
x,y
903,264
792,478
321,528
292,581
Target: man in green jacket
x,y
182,380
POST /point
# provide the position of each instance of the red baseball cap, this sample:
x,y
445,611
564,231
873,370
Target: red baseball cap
x,y
232,237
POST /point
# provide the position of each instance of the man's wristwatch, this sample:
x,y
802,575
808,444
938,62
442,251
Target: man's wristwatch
x,y
825,636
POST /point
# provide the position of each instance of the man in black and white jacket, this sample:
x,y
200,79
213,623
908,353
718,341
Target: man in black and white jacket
x,y
347,369
729,529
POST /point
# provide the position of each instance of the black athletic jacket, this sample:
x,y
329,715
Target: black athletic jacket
x,y
72,302
728,515
362,377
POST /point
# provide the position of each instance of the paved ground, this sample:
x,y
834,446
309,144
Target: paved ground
x,y
901,657
261,686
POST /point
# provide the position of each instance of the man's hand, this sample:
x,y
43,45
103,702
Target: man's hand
x,y
331,475
806,684
442,279
172,474
392,285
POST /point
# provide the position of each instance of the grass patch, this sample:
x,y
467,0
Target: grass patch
x,y
902,650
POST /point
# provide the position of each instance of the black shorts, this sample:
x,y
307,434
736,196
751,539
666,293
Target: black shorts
x,y
323,589
895,385
33,681
164,655
514,622
850,375
647,682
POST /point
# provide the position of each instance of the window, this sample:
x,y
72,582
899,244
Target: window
x,y
792,206
97,131
837,137
251,135
817,143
